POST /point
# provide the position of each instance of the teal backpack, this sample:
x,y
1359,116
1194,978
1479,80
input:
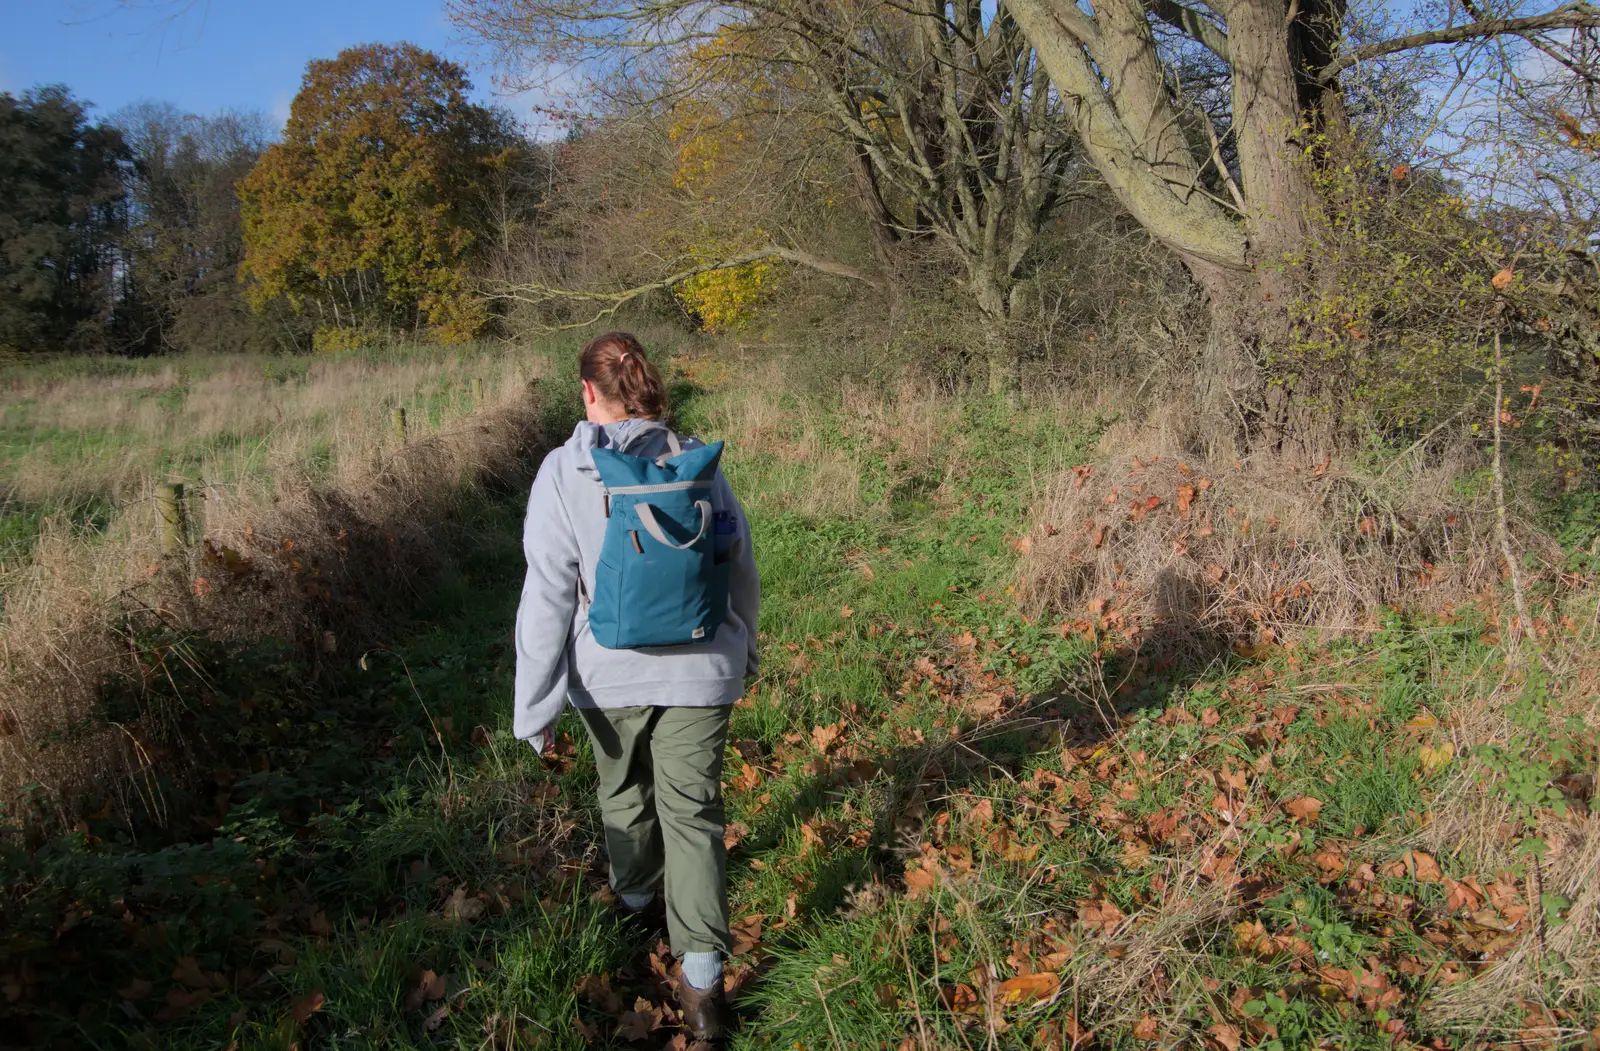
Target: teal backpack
x,y
662,579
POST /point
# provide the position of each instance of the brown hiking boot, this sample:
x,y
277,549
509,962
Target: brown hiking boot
x,y
703,1010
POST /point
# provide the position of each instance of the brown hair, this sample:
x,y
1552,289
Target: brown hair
x,y
616,364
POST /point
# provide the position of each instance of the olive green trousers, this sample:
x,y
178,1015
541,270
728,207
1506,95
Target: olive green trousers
x,y
661,803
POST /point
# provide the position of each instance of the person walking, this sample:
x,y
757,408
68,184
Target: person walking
x,y
640,607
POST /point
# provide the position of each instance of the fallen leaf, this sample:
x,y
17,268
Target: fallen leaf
x,y
435,1020
846,612
137,989
181,1002
1228,1036
304,1009
1436,757
1423,867
1503,279
1026,988
464,909
920,881
1303,809
1466,894
825,737
1100,916
1147,1029
637,1025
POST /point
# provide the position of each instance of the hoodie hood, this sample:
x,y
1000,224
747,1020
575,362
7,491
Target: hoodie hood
x,y
587,437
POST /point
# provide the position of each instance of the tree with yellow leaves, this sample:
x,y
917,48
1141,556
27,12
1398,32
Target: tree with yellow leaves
x,y
362,214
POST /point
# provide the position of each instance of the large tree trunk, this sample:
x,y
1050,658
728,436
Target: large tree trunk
x,y
882,228
999,340
1250,269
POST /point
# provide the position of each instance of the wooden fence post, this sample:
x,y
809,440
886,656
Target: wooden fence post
x,y
169,498
400,424
477,393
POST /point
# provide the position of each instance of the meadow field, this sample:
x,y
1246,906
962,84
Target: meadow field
x,y
277,456
977,798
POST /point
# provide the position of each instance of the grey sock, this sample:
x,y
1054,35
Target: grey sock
x,y
637,902
702,969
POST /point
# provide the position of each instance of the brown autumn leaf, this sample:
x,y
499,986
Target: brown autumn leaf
x,y
462,908
748,779
1502,280
1026,988
1080,475
189,973
963,999
590,1034
1100,916
137,989
1147,1029
436,1019
1303,809
637,1025
597,990
1332,863
1097,535
920,881
982,812
1227,1036
304,1008
747,934
1465,894
846,612
429,988
1185,498
202,587
180,1002
825,737
1423,867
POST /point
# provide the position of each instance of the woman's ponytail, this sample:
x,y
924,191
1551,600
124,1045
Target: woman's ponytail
x,y
617,366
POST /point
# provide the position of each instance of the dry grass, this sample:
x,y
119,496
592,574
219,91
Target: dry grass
x,y
316,548
1161,548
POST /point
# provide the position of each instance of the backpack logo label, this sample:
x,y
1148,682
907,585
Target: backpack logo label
x,y
698,633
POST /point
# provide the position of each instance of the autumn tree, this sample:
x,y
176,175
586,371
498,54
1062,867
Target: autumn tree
x,y
1284,62
368,210
948,125
62,215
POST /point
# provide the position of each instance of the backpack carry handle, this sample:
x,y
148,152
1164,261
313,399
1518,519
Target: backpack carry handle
x,y
647,518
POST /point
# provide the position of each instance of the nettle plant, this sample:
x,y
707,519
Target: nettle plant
x,y
1526,769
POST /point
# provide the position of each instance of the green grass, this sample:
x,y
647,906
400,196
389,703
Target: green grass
x,y
945,793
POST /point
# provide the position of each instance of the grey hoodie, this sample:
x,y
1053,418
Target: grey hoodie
x,y
557,658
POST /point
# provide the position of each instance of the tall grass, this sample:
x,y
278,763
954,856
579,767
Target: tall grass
x,y
306,512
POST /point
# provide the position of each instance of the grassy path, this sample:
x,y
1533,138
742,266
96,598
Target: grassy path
x,y
951,826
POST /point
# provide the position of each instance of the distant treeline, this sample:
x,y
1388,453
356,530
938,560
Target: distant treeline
x,y
156,230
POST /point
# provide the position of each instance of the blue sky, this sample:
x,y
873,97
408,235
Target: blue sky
x,y
205,55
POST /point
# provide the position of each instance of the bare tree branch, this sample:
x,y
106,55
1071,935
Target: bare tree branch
x,y
539,294
1572,16
1192,23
